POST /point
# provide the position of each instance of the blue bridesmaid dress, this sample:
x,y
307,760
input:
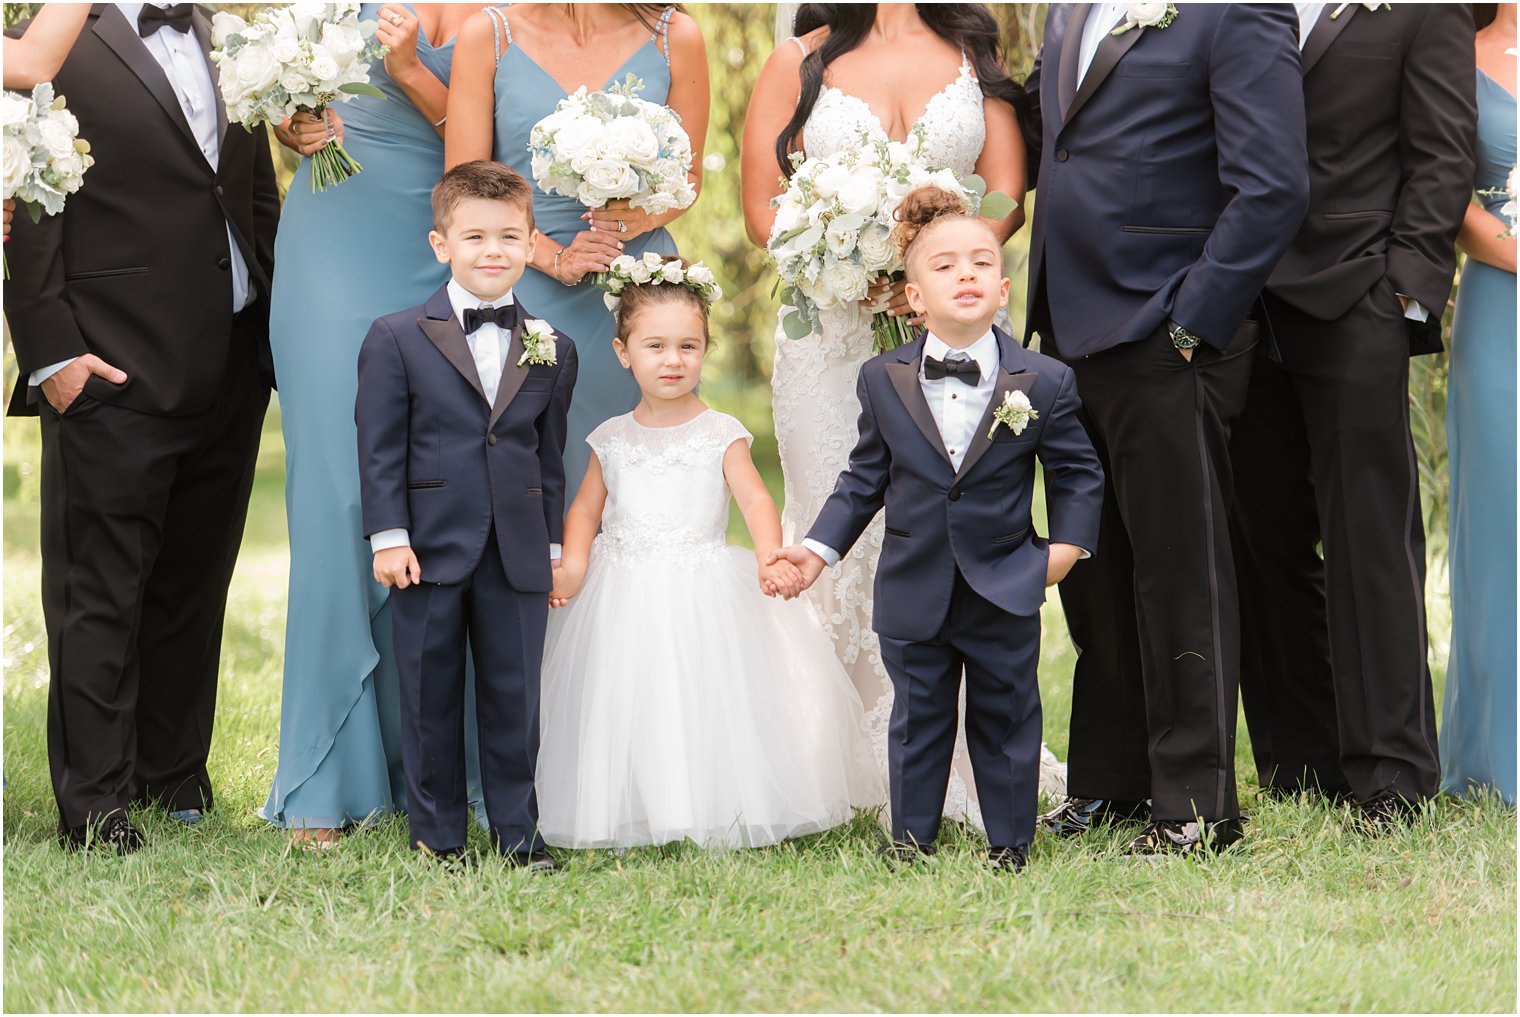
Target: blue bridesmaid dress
x,y
1478,729
345,257
525,94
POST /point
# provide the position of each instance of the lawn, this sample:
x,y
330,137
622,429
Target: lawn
x,y
1304,915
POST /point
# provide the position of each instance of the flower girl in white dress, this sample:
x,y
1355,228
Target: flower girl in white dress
x,y
682,697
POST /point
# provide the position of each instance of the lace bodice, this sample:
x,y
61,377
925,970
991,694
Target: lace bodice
x,y
666,495
954,127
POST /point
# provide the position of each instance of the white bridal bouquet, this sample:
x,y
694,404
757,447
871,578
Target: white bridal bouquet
x,y
296,58
598,147
45,158
832,237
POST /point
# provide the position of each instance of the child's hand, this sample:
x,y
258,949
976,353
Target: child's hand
x,y
781,578
397,566
1062,558
567,582
808,564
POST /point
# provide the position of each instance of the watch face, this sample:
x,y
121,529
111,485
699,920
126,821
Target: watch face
x,y
1183,339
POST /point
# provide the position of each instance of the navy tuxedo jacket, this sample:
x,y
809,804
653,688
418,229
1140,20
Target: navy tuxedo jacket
x,y
977,519
437,459
1171,181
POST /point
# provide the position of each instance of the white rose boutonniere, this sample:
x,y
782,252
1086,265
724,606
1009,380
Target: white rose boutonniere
x,y
1371,7
538,344
1015,412
1147,15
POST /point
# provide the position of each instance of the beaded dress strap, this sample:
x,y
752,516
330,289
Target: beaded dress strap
x,y
662,31
498,26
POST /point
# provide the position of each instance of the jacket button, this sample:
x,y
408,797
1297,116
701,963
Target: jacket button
x,y
490,439
218,190
955,494
224,263
1062,155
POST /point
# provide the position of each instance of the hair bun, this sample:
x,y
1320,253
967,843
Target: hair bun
x,y
919,208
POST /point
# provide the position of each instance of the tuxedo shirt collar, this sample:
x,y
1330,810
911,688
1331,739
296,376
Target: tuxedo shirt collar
x,y
984,351
462,299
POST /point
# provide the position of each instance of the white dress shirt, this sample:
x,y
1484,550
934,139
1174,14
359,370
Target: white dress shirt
x,y
184,64
957,408
488,345
1101,20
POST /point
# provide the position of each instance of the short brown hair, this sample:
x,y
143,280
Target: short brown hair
x,y
485,179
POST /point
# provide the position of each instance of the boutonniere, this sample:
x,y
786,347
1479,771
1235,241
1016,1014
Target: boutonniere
x,y
1371,7
1147,15
538,344
1015,412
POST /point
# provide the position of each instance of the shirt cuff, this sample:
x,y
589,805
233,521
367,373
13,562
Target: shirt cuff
x,y
42,374
387,539
1414,310
555,552
828,554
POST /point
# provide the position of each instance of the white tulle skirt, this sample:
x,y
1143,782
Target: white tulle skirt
x,y
680,703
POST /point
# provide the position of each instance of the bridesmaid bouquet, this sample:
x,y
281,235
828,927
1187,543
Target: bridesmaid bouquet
x,y
45,158
832,237
296,58
598,147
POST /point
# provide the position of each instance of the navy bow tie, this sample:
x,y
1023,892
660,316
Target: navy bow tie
x,y
966,370
504,316
153,17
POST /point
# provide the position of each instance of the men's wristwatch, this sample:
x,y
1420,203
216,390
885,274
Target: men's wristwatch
x,y
1181,337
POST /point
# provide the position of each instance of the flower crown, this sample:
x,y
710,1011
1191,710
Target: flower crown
x,y
627,271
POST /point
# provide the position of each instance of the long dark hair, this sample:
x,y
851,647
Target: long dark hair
x,y
1484,15
970,27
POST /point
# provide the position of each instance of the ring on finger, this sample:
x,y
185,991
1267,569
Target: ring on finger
x,y
396,19
622,226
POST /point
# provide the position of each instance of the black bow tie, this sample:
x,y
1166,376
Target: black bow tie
x,y
504,316
966,370
153,17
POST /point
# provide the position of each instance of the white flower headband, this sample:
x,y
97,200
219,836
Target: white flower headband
x,y
627,271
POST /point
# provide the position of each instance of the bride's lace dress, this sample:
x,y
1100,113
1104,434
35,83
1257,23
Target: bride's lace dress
x,y
816,412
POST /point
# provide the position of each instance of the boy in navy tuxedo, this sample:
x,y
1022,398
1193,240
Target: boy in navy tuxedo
x,y
461,412
950,428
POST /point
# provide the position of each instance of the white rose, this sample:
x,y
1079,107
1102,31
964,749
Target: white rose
x,y
576,138
630,139
673,272
845,281
700,275
789,216
257,70
57,139
860,193
286,51
324,67
949,181
17,109
640,272
875,247
623,263
1146,14
652,261
831,179
18,165
606,179
293,82
223,25
343,41
306,17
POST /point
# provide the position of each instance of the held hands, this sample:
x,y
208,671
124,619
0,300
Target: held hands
x,y
780,578
591,251
635,221
64,386
397,566
397,28
568,577
891,296
808,564
304,134
1062,558
10,210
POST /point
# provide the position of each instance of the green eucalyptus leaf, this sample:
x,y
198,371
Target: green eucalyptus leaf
x,y
997,205
795,326
362,88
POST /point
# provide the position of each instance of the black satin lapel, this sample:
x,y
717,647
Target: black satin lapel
x,y
450,340
981,441
121,36
904,378
1324,32
202,25
1071,51
513,374
1110,50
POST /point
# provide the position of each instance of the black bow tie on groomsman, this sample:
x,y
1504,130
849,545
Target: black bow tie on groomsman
x,y
153,17
954,367
504,316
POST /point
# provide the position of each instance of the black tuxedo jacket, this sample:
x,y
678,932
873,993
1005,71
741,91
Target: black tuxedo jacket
x,y
1171,180
437,459
137,269
976,519
1392,122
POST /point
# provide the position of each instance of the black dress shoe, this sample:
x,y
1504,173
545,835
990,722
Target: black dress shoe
x,y
1075,816
533,861
453,858
1387,811
1177,837
897,854
1008,859
114,833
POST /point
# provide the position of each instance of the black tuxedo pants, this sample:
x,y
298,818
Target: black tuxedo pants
x,y
142,516
1336,684
502,629
1154,614
999,654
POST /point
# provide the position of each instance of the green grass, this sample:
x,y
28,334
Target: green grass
x,y
1304,915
